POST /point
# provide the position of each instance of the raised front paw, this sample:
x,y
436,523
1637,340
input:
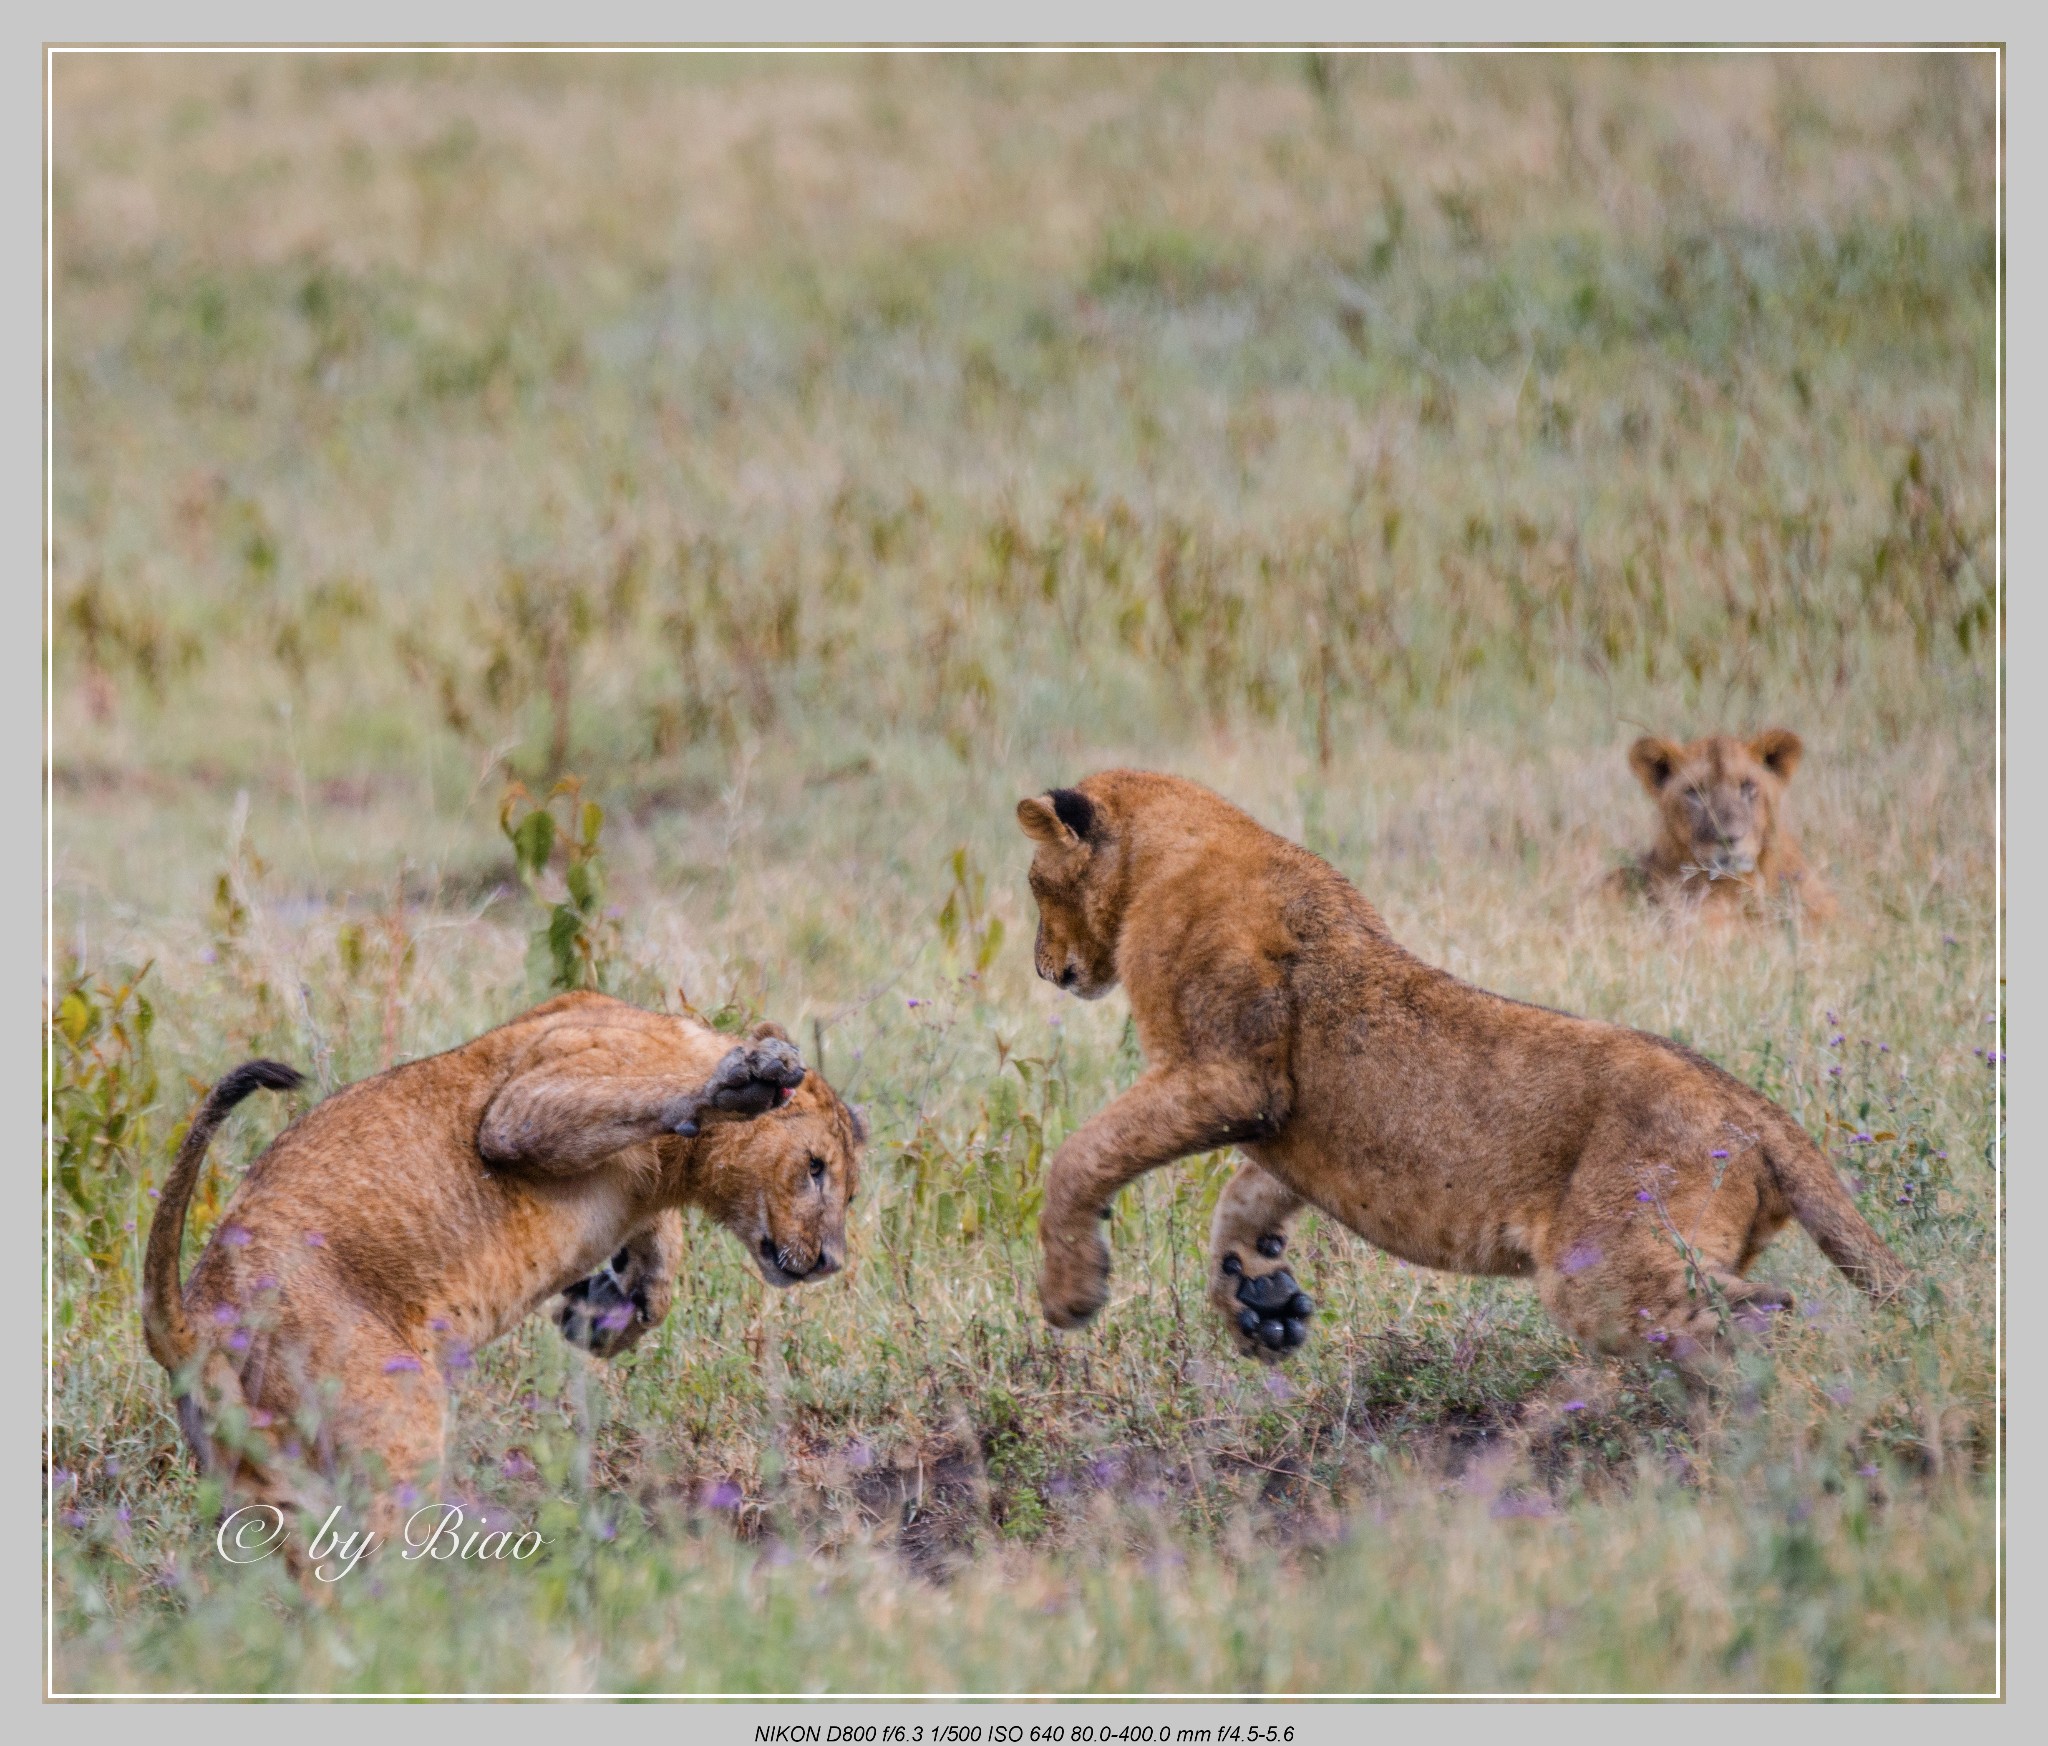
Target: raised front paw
x,y
1073,1277
751,1080
606,1313
1268,1312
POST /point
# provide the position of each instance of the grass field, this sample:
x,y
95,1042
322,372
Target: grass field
x,y
812,456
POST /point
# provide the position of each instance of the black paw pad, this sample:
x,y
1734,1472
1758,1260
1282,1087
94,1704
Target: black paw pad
x,y
1232,1265
755,1078
595,1311
1276,1310
1272,1244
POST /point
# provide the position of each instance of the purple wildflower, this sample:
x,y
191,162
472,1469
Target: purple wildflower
x,y
235,1236
1574,1406
316,1239
1719,1152
724,1496
403,1361
1643,1194
516,1466
1579,1258
238,1341
1868,1470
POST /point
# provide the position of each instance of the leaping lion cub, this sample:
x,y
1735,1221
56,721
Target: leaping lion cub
x,y
415,1216
1633,1179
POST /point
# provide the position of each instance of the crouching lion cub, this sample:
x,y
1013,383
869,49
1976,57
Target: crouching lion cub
x,y
1723,847
414,1216
1634,1180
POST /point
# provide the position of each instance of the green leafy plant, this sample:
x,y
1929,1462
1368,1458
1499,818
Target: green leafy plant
x,y
575,946
103,1097
965,923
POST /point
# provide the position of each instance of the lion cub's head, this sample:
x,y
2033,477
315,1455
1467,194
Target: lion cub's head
x,y
1074,877
782,1182
1718,802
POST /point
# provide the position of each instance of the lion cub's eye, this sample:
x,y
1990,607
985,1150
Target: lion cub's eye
x,y
818,1171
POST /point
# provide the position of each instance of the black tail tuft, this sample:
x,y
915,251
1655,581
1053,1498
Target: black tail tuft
x,y
251,1077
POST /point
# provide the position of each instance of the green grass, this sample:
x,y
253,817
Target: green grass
x,y
815,455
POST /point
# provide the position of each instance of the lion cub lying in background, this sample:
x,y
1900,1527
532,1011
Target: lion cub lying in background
x,y
415,1216
1722,846
1633,1180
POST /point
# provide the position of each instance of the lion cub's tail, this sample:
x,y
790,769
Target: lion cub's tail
x,y
163,1298
1820,1203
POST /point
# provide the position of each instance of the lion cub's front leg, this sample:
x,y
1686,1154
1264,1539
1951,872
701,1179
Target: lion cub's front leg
x,y
1259,1298
609,1313
1168,1114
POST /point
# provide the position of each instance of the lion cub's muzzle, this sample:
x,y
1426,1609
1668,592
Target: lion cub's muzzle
x,y
1071,975
784,1264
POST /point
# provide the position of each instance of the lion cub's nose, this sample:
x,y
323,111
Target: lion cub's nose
x,y
1069,976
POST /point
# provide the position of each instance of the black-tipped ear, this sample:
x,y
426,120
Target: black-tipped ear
x,y
1779,751
860,1126
1653,760
1074,810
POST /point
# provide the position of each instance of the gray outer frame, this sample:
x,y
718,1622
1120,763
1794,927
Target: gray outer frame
x,y
628,21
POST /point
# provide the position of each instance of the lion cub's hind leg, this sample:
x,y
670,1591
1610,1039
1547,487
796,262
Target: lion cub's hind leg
x,y
1257,1295
1634,1293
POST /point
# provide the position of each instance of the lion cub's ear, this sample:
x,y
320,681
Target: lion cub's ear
x,y
1779,751
768,1028
1653,760
1064,815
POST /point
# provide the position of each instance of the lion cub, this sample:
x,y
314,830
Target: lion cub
x,y
1722,845
415,1216
1633,1180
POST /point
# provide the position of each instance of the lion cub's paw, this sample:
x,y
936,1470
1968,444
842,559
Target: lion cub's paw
x,y
751,1080
1268,1311
1073,1280
605,1313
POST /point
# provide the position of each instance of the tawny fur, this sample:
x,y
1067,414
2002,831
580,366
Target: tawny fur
x,y
1723,848
1633,1180
414,1217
